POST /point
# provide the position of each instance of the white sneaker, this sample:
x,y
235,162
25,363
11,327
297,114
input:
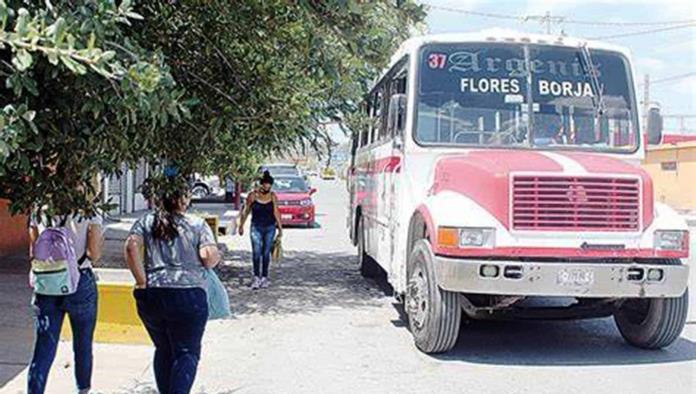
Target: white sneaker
x,y
256,283
264,283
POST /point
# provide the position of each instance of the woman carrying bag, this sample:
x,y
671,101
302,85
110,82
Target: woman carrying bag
x,y
172,285
262,204
87,241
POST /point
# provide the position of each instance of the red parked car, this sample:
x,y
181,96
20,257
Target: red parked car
x,y
294,200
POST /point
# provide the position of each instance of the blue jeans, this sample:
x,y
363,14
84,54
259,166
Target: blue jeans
x,y
50,311
261,246
175,320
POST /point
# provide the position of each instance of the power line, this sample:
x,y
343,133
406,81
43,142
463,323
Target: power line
x,y
673,77
619,23
522,18
643,32
474,13
667,79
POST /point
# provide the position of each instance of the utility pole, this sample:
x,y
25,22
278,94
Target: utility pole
x,y
546,19
646,101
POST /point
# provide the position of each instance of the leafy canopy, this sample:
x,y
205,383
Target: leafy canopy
x,y
80,96
212,85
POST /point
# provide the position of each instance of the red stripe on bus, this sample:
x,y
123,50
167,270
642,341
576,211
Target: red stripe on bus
x,y
386,164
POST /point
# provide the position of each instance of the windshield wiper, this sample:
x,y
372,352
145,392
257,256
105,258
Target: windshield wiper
x,y
597,87
530,96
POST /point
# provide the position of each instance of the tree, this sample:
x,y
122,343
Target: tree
x,y
80,96
266,74
209,86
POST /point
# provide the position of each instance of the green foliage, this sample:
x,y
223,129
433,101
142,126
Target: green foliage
x,y
79,96
214,86
266,74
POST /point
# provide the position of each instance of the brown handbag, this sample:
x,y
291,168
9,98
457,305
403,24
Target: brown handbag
x,y
277,251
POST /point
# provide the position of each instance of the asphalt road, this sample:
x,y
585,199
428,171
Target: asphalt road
x,y
322,328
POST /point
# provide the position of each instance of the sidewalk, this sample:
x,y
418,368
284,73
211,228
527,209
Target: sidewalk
x,y
117,227
116,230
122,369
16,324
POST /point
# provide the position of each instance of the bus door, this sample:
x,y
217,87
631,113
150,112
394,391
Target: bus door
x,y
396,123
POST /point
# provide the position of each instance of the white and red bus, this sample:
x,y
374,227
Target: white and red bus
x,y
499,172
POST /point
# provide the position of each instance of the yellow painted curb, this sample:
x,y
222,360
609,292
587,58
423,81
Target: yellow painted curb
x,y
117,315
214,223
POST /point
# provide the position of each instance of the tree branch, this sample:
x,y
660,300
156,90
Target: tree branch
x,y
216,89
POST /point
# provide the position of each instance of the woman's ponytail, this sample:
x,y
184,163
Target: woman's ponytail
x,y
164,227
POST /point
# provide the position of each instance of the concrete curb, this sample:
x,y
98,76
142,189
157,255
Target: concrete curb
x,y
117,316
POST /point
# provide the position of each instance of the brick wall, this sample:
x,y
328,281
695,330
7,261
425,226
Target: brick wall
x,y
13,231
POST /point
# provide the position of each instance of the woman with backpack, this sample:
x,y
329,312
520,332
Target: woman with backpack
x,y
262,204
62,251
170,289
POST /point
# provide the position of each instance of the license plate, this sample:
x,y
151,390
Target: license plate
x,y
286,217
577,277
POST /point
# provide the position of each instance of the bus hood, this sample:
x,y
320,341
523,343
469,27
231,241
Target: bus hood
x,y
485,176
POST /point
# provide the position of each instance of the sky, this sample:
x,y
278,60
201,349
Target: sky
x,y
660,54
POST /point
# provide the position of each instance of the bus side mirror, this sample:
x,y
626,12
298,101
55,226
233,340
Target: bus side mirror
x,y
397,114
654,126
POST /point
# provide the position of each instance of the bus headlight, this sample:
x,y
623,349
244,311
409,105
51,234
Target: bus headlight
x,y
671,240
480,237
466,237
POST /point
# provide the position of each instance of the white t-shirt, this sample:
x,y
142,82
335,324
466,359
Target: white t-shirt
x,y
79,227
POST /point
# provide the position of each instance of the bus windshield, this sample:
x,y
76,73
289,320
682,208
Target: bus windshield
x,y
481,94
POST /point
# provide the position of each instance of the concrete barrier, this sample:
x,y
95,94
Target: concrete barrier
x,y
117,316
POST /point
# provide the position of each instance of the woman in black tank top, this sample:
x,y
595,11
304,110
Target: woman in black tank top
x,y
262,204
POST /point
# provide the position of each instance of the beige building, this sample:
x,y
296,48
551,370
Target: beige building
x,y
673,170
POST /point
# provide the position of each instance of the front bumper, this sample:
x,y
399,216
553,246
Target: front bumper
x,y
296,215
599,279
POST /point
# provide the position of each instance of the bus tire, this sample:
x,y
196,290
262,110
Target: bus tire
x,y
434,314
652,323
368,266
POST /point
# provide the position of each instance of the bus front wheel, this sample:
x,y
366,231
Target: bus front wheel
x,y
652,323
434,314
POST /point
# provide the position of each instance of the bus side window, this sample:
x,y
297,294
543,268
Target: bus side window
x,y
378,116
364,133
385,131
364,137
397,86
